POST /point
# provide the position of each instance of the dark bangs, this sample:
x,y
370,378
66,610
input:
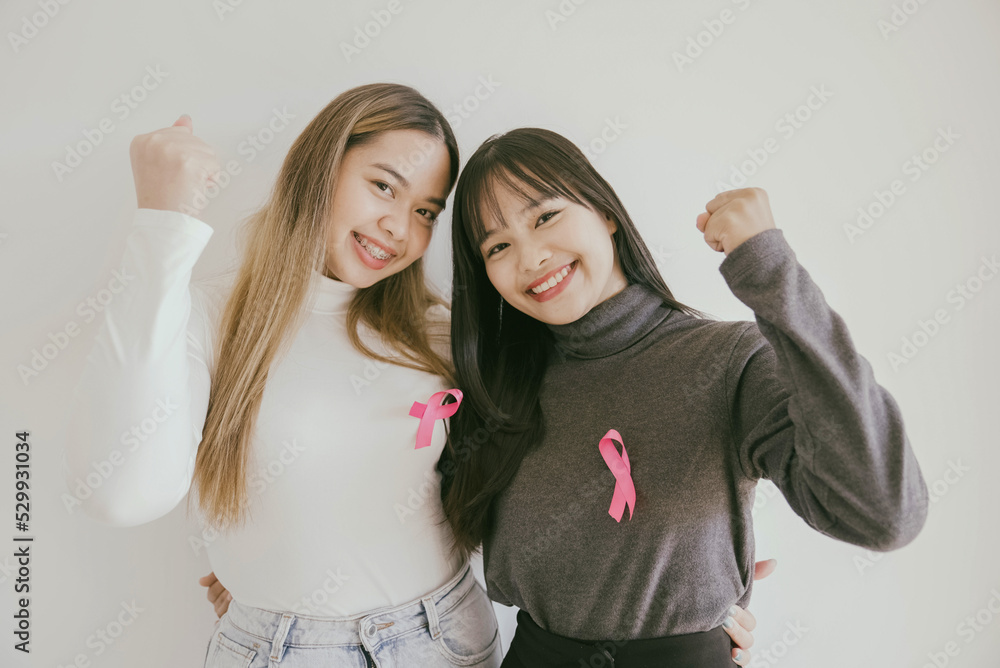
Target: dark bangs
x,y
528,169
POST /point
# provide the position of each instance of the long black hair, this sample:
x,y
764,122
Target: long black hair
x,y
500,369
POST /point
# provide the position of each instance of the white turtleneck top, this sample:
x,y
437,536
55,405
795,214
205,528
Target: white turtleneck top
x,y
345,510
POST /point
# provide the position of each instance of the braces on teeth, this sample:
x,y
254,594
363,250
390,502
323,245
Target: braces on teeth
x,y
372,249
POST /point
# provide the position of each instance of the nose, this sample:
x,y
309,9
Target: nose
x,y
395,225
533,256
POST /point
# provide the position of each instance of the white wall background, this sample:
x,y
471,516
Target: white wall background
x,y
684,130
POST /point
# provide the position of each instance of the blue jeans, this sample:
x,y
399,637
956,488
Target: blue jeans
x,y
452,626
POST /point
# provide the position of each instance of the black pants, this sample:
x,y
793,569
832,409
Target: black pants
x,y
534,647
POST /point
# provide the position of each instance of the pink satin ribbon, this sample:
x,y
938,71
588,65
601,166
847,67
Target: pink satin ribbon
x,y
622,469
431,411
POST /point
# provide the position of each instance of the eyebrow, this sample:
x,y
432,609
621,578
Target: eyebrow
x,y
406,184
537,204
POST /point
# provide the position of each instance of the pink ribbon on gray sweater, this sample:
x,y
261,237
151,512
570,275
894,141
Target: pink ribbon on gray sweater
x,y
622,470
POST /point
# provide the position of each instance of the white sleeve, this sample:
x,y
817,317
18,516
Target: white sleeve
x,y
138,410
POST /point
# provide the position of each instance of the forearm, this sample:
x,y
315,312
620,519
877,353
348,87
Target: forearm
x,y
131,436
842,457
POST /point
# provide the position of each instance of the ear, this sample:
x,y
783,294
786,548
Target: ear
x,y
610,222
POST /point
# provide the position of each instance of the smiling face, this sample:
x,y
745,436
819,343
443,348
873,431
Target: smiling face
x,y
389,193
555,260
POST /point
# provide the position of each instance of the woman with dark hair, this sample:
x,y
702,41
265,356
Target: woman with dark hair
x,y
589,390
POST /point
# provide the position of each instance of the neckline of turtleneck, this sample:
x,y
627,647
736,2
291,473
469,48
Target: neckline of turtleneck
x,y
329,295
613,325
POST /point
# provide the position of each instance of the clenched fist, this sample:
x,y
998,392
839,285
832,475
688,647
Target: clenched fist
x,y
172,167
734,216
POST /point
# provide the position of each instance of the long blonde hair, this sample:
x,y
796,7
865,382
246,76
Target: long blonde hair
x,y
266,305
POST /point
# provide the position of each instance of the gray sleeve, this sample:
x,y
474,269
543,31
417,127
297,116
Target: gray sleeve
x,y
806,411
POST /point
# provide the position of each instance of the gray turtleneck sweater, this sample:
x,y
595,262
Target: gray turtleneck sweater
x,y
705,408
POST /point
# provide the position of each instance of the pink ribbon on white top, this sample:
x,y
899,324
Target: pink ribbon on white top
x,y
431,411
622,469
